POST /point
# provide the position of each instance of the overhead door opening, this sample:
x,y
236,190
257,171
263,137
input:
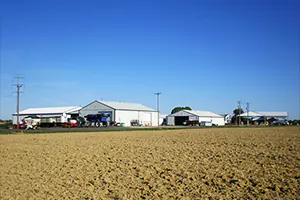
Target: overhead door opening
x,y
180,119
146,119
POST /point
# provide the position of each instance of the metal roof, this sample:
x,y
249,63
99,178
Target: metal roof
x,y
50,110
224,115
251,114
265,114
275,114
126,106
199,113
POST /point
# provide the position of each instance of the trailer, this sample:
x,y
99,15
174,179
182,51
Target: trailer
x,y
54,121
198,123
191,123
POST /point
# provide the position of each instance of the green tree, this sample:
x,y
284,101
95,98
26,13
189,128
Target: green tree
x,y
238,111
177,109
235,117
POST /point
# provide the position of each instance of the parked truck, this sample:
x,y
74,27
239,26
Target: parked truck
x,y
97,120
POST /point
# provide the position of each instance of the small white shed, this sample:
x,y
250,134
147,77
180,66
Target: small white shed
x,y
204,117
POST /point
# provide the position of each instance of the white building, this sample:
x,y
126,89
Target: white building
x,y
123,113
63,113
204,118
227,118
162,118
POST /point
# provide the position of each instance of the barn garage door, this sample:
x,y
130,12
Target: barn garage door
x,y
180,119
146,119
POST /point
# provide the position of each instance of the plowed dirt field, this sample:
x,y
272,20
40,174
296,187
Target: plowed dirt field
x,y
243,163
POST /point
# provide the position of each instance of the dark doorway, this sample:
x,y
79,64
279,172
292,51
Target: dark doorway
x,y
180,119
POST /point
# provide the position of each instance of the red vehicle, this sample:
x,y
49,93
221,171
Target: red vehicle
x,y
71,123
21,126
191,123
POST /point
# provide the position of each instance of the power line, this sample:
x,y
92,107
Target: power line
x,y
239,108
19,85
157,94
248,108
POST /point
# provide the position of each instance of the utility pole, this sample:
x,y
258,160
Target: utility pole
x,y
157,94
19,85
239,108
248,108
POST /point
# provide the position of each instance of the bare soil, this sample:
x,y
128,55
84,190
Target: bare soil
x,y
226,163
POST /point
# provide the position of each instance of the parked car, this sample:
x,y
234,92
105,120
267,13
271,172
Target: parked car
x,y
135,122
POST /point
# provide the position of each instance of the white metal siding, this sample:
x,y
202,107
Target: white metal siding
x,y
145,118
218,121
123,116
170,121
192,118
154,118
205,119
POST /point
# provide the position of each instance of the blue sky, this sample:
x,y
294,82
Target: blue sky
x,y
202,54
